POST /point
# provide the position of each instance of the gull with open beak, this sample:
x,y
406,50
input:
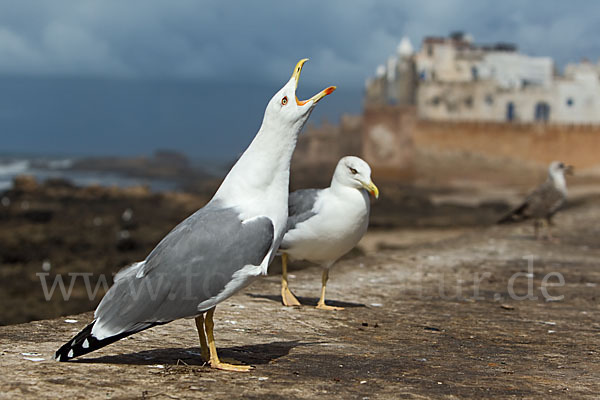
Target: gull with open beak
x,y
325,224
215,252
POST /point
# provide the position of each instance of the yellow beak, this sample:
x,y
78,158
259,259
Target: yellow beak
x,y
298,69
371,188
316,97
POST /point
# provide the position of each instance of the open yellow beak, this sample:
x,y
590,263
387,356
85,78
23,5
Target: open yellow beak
x,y
371,188
316,97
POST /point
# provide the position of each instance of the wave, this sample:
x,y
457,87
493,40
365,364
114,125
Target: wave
x,y
5,185
60,168
60,164
14,167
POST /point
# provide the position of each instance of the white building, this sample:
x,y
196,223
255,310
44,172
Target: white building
x,y
453,79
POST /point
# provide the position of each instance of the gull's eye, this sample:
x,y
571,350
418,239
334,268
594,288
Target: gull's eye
x,y
284,101
353,171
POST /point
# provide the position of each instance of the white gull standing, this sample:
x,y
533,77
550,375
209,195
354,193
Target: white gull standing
x,y
215,252
325,224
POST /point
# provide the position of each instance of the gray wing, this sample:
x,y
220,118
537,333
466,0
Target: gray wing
x,y
300,206
193,263
543,202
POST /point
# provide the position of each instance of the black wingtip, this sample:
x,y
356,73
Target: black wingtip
x,y
505,220
515,215
510,218
79,345
84,342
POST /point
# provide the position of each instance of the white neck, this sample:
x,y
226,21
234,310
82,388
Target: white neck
x,y
338,187
263,169
559,182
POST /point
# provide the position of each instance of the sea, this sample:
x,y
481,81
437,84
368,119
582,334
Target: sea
x,y
45,167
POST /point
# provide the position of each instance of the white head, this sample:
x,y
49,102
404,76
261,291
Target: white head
x,y
284,111
557,170
354,172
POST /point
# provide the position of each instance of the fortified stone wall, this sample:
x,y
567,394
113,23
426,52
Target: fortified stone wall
x,y
387,143
329,142
538,143
393,140
320,147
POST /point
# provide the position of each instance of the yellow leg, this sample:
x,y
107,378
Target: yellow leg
x,y
287,297
321,304
214,358
203,345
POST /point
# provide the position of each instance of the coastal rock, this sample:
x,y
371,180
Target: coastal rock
x,y
25,184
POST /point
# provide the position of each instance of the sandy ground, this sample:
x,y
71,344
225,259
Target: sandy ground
x,y
429,314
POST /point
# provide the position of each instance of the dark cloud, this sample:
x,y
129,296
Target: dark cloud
x,y
261,40
73,60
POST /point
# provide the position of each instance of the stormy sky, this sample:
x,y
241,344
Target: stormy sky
x,y
56,57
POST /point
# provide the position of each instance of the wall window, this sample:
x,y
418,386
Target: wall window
x,y
489,99
570,101
542,112
474,73
510,111
469,101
